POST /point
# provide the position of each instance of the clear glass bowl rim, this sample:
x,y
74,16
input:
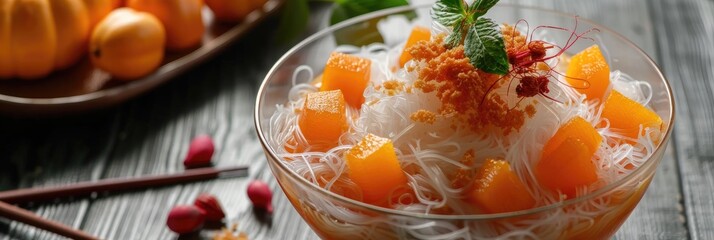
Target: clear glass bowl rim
x,y
300,180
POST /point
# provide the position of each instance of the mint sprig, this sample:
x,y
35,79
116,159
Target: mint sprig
x,y
484,47
455,38
449,12
481,37
479,8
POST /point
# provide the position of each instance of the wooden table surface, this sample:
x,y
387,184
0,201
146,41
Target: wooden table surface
x,y
150,135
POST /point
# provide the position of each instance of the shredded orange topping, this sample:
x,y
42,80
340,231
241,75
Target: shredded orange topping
x,y
464,176
513,39
423,116
530,110
462,88
228,234
392,87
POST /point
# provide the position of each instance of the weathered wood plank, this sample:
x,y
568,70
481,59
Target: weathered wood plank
x,y
157,136
45,157
151,136
686,43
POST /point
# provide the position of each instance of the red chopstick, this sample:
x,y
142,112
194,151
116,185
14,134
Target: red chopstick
x,y
116,184
21,215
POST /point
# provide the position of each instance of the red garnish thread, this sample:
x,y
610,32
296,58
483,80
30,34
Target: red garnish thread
x,y
526,56
531,86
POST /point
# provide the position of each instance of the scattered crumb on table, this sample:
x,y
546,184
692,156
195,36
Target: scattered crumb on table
x,y
230,234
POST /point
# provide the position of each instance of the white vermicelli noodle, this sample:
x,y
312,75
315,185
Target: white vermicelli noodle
x,y
435,151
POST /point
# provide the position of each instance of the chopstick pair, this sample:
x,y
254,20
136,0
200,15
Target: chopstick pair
x,y
106,185
21,215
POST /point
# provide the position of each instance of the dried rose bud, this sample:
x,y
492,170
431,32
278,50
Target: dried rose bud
x,y
185,219
261,196
210,206
199,152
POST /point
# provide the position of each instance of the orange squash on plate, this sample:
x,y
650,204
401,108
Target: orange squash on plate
x,y
39,36
182,20
128,44
98,9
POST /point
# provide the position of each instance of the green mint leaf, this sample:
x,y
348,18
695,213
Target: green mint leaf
x,y
293,20
346,9
449,12
480,7
484,47
454,39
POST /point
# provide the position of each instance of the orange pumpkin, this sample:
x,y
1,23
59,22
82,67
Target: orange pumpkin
x,y
98,9
182,20
128,44
39,36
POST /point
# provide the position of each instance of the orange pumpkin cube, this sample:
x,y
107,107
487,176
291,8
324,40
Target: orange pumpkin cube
x,y
374,167
626,116
349,74
589,73
566,160
567,168
418,34
497,189
576,127
322,119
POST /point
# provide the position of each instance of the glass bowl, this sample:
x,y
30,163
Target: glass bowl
x,y
333,216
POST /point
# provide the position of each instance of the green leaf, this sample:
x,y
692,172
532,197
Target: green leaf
x,y
346,9
454,39
449,12
359,35
293,21
484,47
480,7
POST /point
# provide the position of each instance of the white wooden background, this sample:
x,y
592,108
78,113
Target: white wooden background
x,y
151,133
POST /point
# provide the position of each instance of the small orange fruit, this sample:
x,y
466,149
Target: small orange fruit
x,y
98,9
182,20
128,44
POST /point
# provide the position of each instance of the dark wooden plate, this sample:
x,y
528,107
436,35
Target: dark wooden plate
x,y
83,87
